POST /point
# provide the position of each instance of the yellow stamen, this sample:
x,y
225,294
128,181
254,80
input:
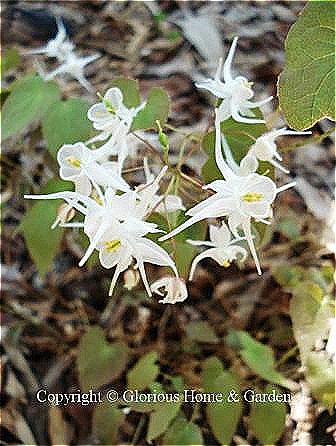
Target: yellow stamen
x,y
109,107
226,263
112,245
74,162
95,196
251,197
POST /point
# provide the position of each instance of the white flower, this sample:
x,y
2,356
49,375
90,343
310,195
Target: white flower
x,y
265,148
74,66
173,289
222,248
121,242
235,92
116,230
240,198
59,47
153,201
108,114
80,164
114,120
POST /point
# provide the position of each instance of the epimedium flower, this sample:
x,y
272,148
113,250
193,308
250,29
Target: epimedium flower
x,y
172,289
235,92
265,149
58,47
240,198
121,242
222,248
81,165
74,66
107,114
114,120
115,229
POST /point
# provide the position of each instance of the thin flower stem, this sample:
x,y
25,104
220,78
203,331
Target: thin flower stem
x,y
312,140
150,146
188,135
190,180
287,355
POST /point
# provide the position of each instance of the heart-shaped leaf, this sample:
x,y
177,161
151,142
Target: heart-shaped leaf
x,y
223,416
144,372
156,109
29,99
306,87
66,122
43,242
273,412
99,362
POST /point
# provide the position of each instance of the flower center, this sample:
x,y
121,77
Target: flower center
x,y
112,245
226,263
74,162
252,197
109,107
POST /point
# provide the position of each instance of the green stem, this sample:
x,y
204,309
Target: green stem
x,y
312,140
287,355
188,135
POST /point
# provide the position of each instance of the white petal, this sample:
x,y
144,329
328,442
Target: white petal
x,y
248,165
221,164
218,208
114,97
215,87
228,61
208,253
220,235
83,185
153,253
246,224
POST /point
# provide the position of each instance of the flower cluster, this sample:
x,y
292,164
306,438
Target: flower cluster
x,y
116,215
62,49
243,195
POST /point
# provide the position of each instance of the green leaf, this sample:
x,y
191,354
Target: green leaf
x,y
99,362
224,417
309,313
156,108
289,276
306,87
29,99
144,372
181,432
240,138
320,375
43,242
258,356
212,368
9,60
161,418
201,331
130,91
290,227
105,422
66,122
274,412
